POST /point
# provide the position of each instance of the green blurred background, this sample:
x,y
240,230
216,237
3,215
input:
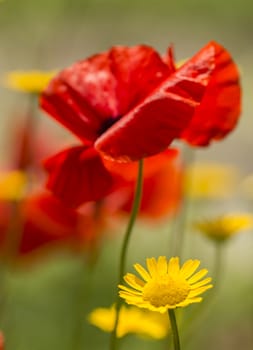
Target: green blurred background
x,y
44,302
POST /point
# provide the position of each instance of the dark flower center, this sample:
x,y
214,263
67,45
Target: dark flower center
x,y
107,124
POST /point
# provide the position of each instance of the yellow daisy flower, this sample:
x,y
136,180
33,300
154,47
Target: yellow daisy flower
x,y
223,227
12,185
165,285
210,180
33,81
131,320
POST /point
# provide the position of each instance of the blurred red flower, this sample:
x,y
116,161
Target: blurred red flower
x,y
1,341
27,144
44,223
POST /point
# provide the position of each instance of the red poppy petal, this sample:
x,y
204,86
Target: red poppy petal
x,y
103,87
61,102
112,82
146,130
151,127
138,71
77,175
220,108
169,59
129,171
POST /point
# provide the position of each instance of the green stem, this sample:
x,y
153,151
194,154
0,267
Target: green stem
x,y
174,329
123,254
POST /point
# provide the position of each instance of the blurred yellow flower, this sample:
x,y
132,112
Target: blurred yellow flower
x,y
165,285
131,320
210,180
33,81
12,185
225,226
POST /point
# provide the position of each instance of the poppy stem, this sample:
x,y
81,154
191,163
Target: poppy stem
x,y
123,254
174,329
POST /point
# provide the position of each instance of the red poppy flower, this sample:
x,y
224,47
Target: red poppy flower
x,y
124,104
128,102
220,107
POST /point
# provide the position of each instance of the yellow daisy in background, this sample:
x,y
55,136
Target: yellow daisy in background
x,y
12,185
33,81
210,180
132,320
164,285
225,226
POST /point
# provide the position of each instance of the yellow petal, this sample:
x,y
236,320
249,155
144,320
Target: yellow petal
x,y
190,301
134,281
197,276
143,273
162,265
130,297
198,291
189,268
173,266
131,291
152,266
201,283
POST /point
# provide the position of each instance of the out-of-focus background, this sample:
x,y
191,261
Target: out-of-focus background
x,y
52,34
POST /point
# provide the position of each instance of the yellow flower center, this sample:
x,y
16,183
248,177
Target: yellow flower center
x,y
166,291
